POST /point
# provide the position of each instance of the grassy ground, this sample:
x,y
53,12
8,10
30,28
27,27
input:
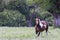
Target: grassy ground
x,y
22,33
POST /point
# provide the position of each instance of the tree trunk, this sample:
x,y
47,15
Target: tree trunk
x,y
29,23
28,20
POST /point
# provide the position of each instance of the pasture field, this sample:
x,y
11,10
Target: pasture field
x,y
27,33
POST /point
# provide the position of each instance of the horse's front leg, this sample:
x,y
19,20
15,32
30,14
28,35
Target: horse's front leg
x,y
37,34
46,34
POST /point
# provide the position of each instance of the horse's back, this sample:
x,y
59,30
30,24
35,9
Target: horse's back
x,y
44,22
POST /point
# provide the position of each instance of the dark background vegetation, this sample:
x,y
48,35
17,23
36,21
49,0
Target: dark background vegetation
x,y
18,13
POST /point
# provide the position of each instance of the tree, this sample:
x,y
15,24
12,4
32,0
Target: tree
x,y
27,8
22,7
53,6
55,10
1,6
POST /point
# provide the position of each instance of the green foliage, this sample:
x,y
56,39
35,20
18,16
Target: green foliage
x,y
0,1
52,5
11,18
30,2
43,3
45,15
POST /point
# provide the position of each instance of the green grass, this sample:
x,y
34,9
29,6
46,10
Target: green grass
x,y
27,33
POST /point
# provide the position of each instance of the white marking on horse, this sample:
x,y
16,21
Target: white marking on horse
x,y
41,24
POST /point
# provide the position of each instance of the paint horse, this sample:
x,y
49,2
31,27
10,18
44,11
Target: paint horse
x,y
41,26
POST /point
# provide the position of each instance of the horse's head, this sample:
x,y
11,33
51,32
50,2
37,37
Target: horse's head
x,y
37,21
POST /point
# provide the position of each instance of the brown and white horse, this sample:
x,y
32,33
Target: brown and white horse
x,y
41,26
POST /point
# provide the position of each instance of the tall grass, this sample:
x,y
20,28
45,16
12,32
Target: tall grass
x,y
27,33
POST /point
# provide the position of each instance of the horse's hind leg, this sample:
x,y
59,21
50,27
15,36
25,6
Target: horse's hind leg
x,y
46,33
47,29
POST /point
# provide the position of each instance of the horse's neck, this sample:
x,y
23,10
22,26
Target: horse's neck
x,y
38,23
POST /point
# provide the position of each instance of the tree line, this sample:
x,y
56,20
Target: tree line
x,y
23,12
